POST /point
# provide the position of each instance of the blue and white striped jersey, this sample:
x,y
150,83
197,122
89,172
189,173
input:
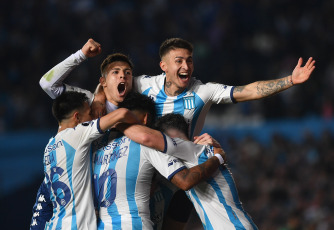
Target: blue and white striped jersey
x,y
68,170
123,171
193,103
216,200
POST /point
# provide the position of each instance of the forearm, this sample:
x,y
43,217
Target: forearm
x,y
52,81
119,115
143,135
261,89
187,178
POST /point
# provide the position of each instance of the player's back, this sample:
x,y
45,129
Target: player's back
x,y
123,171
217,202
122,181
67,168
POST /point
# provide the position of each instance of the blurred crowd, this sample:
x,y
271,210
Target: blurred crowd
x,y
286,185
236,42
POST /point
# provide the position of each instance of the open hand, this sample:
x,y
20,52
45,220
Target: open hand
x,y
301,74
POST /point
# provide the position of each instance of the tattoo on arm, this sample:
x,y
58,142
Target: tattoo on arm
x,y
268,88
238,89
194,175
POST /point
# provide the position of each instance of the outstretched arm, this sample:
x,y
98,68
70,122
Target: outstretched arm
x,y
262,89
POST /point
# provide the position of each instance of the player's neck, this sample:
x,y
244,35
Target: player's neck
x,y
172,90
66,124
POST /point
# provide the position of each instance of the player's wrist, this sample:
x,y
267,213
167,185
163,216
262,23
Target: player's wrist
x,y
220,158
290,80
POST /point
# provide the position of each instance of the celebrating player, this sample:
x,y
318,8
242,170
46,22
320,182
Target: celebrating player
x,y
176,91
216,200
67,164
123,171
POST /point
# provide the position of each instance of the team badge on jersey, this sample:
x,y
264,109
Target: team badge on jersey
x,y
189,102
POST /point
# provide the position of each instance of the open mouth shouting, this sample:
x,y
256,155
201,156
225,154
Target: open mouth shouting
x,y
184,76
121,89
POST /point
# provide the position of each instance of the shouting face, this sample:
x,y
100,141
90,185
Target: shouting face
x,y
178,66
117,82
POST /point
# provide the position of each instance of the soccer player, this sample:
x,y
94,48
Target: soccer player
x,y
176,91
123,171
116,82
216,200
67,163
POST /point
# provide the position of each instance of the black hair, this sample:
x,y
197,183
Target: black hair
x,y
174,121
174,43
140,102
114,58
66,103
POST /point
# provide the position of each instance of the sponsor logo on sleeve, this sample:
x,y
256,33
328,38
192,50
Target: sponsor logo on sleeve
x,y
173,161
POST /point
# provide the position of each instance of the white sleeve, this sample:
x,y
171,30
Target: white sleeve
x,y
220,93
84,133
184,150
52,81
90,95
166,165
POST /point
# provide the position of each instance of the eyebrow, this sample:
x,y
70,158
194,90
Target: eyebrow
x,y
117,68
183,57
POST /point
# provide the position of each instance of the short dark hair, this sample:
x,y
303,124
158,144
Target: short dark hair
x,y
113,58
174,121
174,43
140,102
66,103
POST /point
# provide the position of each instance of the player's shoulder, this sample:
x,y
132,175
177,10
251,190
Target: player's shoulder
x,y
149,78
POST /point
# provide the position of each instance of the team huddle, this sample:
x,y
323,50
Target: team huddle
x,y
130,155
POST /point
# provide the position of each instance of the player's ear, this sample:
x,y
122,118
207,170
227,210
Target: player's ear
x,y
145,118
103,81
163,66
76,116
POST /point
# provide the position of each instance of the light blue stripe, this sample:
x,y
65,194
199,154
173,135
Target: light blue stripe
x,y
147,91
231,214
70,153
207,224
199,104
228,177
112,209
132,169
160,102
62,210
179,104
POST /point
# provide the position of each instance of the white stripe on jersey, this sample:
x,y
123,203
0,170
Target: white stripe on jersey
x,y
67,166
123,172
194,103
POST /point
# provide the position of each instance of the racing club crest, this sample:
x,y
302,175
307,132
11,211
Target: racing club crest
x,y
189,102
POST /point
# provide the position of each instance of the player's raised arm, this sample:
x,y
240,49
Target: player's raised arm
x,y
91,48
261,89
52,81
